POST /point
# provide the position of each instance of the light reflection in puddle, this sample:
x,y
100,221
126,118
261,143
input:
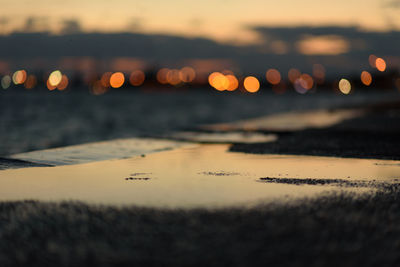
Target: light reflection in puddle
x,y
196,176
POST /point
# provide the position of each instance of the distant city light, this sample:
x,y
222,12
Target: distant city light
x,y
63,83
6,81
293,75
55,78
187,74
30,82
162,76
251,84
372,59
19,77
233,82
366,78
105,79
137,78
344,86
273,76
380,64
117,79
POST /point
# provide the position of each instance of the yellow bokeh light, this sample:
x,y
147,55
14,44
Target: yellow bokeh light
x,y
380,64
187,74
344,86
117,79
49,86
137,78
366,78
19,77
55,78
251,84
63,84
273,76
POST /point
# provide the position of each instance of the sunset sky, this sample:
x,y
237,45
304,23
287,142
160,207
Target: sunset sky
x,y
223,20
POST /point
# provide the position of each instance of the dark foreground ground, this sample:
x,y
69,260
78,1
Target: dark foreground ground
x,y
336,230
332,230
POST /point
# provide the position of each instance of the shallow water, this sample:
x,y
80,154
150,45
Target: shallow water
x,y
193,176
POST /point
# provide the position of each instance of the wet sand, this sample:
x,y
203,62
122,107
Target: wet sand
x,y
336,229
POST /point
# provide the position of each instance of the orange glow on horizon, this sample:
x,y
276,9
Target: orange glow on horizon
x,y
251,84
117,79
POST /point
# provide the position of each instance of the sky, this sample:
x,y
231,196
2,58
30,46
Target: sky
x,y
221,20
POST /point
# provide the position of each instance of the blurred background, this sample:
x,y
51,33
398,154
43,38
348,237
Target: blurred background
x,y
79,71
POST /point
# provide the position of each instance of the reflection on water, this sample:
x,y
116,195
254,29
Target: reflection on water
x,y
195,176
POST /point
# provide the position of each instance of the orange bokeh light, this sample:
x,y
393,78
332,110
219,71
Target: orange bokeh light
x,y
187,74
173,77
380,64
30,82
366,78
293,75
49,86
162,75
105,79
137,78
219,81
63,83
372,60
273,76
233,82
19,77
251,84
117,79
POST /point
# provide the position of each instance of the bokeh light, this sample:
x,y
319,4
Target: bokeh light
x,y
98,89
251,84
187,74
19,77
63,83
219,81
55,78
273,76
117,79
105,79
49,86
30,82
344,86
366,78
233,82
380,64
372,60
6,81
173,77
293,75
137,78
162,75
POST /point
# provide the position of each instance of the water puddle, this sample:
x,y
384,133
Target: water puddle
x,y
196,176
